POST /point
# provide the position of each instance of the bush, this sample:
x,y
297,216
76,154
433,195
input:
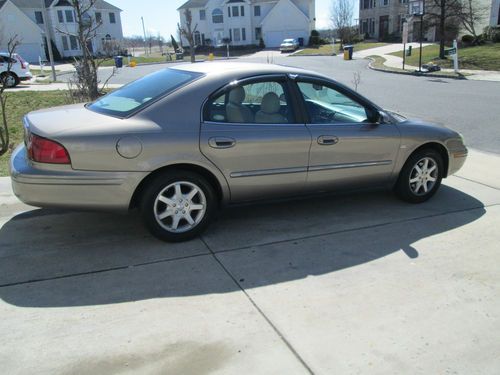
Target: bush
x,y
467,39
314,39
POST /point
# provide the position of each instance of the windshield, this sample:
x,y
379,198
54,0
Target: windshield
x,y
288,41
136,95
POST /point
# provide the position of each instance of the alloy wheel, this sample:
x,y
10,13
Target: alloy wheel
x,y
423,176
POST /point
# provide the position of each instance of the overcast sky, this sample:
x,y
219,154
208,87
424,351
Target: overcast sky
x,y
161,16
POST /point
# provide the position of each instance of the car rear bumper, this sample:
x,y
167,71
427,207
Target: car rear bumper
x,y
62,186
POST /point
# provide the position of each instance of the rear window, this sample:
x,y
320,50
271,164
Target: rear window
x,y
138,94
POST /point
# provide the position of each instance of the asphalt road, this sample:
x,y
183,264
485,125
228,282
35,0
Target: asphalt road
x,y
470,107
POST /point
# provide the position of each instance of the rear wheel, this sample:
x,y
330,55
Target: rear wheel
x,y
420,177
178,206
9,79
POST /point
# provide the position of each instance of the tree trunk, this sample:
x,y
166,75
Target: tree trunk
x,y
442,29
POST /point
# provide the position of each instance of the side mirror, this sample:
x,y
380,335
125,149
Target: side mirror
x,y
374,116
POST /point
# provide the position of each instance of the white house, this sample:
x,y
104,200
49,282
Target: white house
x,y
25,18
247,21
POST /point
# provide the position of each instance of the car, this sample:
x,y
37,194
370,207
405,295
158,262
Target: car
x,y
289,45
183,141
19,69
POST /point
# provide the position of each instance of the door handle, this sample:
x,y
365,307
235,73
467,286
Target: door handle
x,y
221,142
328,140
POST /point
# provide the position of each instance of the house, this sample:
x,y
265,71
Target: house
x,y
246,22
26,19
379,19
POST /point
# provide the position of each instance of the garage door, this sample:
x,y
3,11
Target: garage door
x,y
30,52
274,38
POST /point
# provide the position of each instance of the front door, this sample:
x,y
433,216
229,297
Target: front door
x,y
347,150
383,30
251,134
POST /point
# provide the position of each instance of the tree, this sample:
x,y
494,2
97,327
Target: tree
x,y
12,43
86,66
440,12
188,33
472,13
341,14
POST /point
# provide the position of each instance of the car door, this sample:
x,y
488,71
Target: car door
x,y
251,133
349,148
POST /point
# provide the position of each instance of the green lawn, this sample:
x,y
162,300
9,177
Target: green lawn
x,y
328,50
20,103
486,57
138,60
378,63
47,71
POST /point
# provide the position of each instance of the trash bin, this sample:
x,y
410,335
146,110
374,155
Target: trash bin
x,y
179,56
349,50
408,51
119,61
301,42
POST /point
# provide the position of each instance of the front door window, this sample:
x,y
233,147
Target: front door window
x,y
326,105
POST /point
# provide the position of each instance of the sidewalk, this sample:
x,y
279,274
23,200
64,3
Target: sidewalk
x,y
397,62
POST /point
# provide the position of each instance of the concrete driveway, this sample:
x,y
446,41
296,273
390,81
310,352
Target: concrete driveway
x,y
348,284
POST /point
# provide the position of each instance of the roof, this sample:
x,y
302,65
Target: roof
x,y
218,67
193,4
100,4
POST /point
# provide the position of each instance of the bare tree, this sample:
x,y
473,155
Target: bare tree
x,y
439,13
356,80
12,43
341,15
472,13
86,66
188,33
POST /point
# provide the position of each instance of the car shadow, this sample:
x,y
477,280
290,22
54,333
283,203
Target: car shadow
x,y
58,258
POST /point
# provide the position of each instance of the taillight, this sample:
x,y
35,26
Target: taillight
x,y
43,150
24,64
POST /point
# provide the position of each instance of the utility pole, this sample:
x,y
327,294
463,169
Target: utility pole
x,y
48,39
145,42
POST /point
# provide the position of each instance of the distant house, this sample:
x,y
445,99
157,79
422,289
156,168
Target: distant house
x,y
247,21
25,19
380,18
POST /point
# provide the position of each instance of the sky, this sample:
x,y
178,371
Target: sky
x,y
161,16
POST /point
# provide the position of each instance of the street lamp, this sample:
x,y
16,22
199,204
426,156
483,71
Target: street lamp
x,y
417,8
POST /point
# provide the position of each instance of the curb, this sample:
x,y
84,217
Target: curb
x,y
461,77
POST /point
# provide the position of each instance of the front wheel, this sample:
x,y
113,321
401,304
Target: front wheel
x,y
178,206
420,177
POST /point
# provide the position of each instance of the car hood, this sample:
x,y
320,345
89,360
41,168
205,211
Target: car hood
x,y
76,119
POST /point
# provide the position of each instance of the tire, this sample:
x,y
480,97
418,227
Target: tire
x,y
166,213
10,79
407,187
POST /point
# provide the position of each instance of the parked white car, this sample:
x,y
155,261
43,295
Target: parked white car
x,y
289,45
19,70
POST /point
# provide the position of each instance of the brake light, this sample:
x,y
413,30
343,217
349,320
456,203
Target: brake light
x,y
43,150
24,64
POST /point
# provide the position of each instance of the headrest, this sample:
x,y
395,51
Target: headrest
x,y
270,103
237,95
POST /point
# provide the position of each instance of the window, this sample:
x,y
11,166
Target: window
x,y
498,21
217,16
138,94
98,17
258,33
65,42
73,42
197,38
237,35
235,12
256,11
203,15
242,11
243,34
69,16
264,102
385,2
39,17
230,34
112,18
326,105
372,25
60,16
